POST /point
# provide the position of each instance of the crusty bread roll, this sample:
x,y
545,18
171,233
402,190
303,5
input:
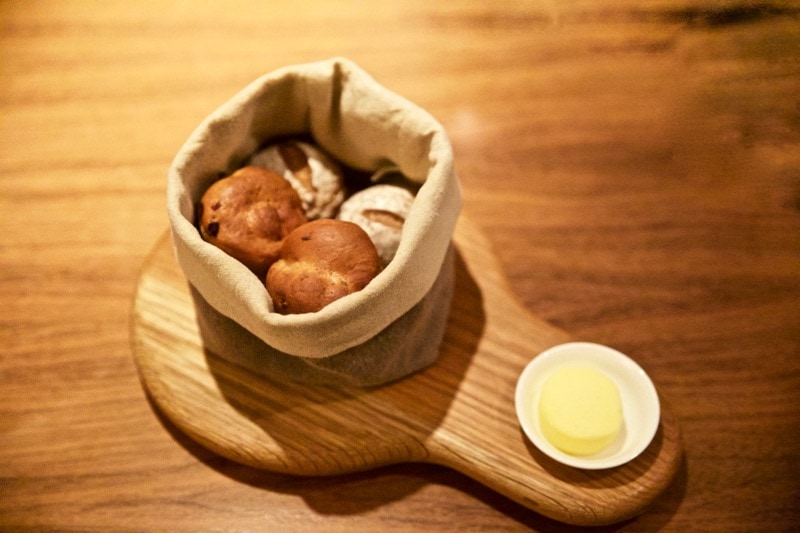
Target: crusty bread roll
x,y
315,176
248,214
381,211
321,261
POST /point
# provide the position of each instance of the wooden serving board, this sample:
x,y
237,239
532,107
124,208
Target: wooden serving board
x,y
458,413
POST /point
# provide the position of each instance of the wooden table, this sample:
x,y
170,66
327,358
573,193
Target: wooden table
x,y
635,165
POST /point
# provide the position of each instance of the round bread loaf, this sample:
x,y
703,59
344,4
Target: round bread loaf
x,y
248,214
321,261
381,211
315,176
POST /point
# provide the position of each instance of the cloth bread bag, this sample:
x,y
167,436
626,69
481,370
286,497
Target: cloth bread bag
x,y
392,327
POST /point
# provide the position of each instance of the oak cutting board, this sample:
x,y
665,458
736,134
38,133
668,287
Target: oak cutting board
x,y
458,412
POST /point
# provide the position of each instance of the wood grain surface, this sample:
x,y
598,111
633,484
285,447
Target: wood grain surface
x,y
634,164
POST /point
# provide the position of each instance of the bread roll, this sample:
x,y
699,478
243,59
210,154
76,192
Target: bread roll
x,y
248,214
381,211
321,262
315,176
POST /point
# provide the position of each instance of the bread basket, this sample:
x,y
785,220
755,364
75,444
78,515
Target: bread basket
x,y
394,325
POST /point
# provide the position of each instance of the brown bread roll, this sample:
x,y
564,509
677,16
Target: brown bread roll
x,y
248,214
321,261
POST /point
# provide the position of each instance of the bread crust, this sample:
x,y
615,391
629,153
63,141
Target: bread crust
x,y
381,210
248,214
315,176
321,261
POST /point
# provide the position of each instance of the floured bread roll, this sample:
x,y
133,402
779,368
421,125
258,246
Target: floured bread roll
x,y
321,262
248,214
381,210
315,176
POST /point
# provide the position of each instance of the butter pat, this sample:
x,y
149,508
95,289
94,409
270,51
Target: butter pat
x,y
580,410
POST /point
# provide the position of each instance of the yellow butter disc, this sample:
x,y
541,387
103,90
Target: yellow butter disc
x,y
580,410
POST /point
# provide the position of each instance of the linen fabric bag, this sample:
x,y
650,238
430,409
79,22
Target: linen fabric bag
x,y
394,325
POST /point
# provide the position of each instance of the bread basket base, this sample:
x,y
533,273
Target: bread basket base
x,y
407,345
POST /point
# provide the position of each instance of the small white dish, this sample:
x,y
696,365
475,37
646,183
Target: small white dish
x,y
640,405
